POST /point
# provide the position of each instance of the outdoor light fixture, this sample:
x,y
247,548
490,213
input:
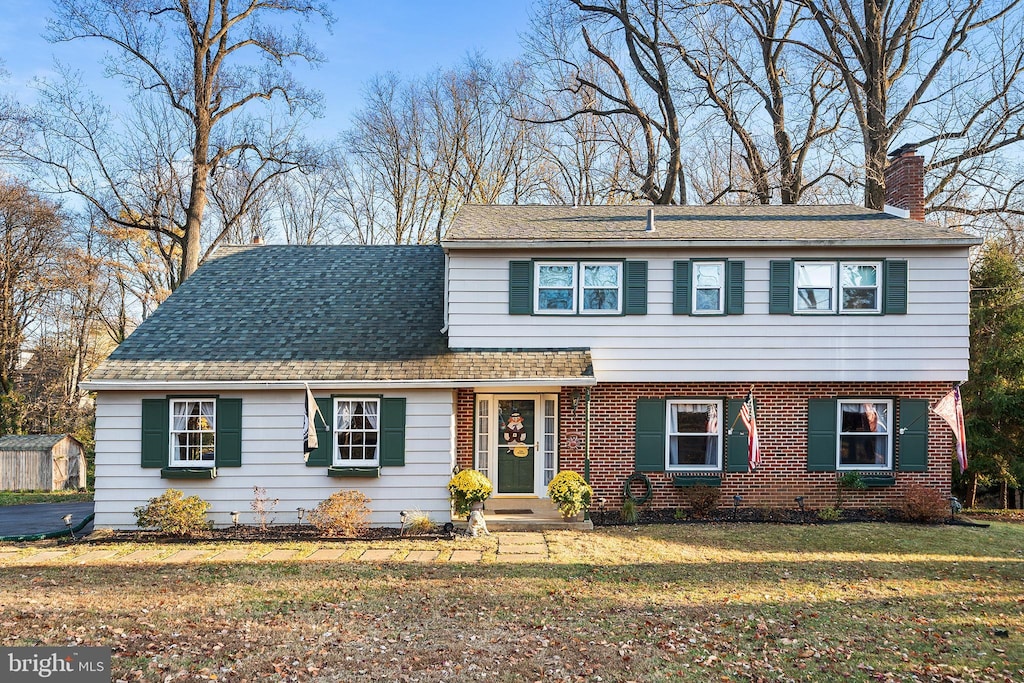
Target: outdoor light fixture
x,y
800,503
302,513
234,517
736,500
67,523
403,516
576,395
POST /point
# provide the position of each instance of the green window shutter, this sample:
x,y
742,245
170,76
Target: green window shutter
x,y
736,453
229,432
734,287
520,287
914,440
392,432
156,432
681,294
821,435
635,277
894,282
324,453
780,287
650,435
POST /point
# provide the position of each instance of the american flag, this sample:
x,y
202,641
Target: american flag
x,y
951,409
311,443
750,422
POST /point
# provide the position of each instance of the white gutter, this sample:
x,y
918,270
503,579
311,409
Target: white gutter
x,y
447,263
535,245
244,385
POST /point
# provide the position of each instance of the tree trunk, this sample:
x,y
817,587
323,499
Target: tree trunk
x,y
972,491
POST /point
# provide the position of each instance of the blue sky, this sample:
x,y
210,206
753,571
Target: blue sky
x,y
410,37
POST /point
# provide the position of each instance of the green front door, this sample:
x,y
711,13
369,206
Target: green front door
x,y
517,445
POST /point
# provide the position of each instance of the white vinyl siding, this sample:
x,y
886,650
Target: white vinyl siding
x,y
930,342
272,428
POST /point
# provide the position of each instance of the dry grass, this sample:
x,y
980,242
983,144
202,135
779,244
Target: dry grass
x,y
683,603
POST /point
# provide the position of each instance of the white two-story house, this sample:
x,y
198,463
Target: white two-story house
x,y
617,341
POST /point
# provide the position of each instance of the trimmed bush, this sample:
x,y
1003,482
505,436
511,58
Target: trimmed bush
x,y
703,500
172,513
923,505
345,513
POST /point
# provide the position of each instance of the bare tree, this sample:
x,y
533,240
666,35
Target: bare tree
x,y
633,79
950,66
205,66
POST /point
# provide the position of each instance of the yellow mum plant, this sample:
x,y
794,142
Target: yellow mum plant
x,y
570,493
468,487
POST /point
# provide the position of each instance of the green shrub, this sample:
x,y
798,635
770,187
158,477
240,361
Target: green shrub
x,y
679,514
703,500
172,513
468,487
570,492
848,481
630,512
923,505
830,514
344,513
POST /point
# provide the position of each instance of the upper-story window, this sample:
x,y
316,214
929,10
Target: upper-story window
x,y
844,287
567,287
708,287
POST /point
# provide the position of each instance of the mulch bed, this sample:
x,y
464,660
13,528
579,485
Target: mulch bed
x,y
249,533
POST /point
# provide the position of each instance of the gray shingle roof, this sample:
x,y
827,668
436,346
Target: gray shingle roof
x,y
30,442
307,313
791,223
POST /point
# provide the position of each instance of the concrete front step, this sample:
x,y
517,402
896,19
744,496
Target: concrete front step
x,y
526,514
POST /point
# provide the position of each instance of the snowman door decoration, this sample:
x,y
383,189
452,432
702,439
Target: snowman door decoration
x,y
515,435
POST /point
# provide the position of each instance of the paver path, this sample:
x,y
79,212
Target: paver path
x,y
511,547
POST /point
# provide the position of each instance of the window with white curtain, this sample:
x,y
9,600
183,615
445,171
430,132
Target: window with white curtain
x,y
356,431
193,432
694,435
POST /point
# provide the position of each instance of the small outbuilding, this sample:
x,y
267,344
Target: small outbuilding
x,y
41,462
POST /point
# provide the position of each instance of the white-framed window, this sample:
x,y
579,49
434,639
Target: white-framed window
x,y
572,287
356,431
860,287
694,435
865,434
601,288
708,287
193,432
843,287
815,287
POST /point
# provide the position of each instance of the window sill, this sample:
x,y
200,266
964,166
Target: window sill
x,y
362,472
188,473
684,480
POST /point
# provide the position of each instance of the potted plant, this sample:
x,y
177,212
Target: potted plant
x,y
570,493
469,488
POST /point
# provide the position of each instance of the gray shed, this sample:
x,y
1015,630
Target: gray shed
x,y
46,462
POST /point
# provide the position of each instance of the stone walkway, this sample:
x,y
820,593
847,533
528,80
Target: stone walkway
x,y
511,547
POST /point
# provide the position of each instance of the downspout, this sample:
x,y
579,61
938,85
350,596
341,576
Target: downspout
x,y
586,445
444,314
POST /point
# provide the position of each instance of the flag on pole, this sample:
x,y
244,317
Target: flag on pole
x,y
309,425
750,422
951,409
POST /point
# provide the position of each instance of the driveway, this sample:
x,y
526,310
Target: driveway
x,y
18,520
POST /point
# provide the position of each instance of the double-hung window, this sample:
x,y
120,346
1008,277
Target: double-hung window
x,y
843,287
356,431
589,288
708,287
694,435
193,432
865,434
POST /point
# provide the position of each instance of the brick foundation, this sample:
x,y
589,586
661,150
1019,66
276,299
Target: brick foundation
x,y
782,422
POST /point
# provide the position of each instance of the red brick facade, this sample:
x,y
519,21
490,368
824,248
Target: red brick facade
x,y
782,423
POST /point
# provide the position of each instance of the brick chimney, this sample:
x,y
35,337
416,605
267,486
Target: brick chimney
x,y
904,181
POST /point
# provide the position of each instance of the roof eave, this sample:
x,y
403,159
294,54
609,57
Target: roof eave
x,y
196,385
533,245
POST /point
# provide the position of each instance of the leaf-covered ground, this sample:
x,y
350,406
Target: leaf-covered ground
x,y
863,602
